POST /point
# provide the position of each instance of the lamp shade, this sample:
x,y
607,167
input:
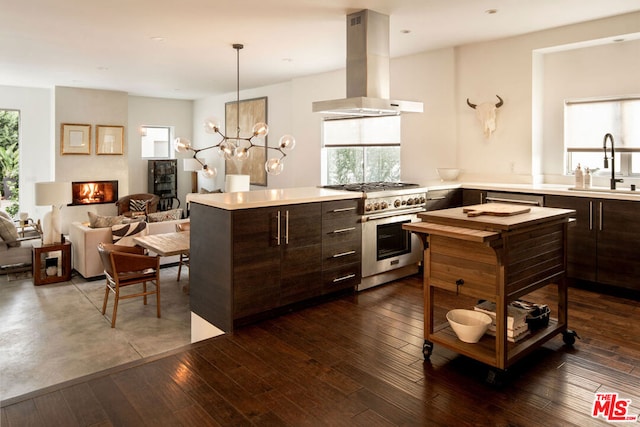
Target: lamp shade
x,y
53,193
191,165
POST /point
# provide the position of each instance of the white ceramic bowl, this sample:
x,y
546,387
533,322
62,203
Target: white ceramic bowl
x,y
448,174
469,325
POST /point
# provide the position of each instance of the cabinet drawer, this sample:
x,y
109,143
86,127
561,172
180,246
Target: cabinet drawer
x,y
335,255
341,232
347,276
340,209
443,199
472,264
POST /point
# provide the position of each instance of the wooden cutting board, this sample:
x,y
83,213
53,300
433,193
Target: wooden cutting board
x,y
496,209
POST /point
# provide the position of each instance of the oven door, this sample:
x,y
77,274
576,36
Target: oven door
x,y
386,246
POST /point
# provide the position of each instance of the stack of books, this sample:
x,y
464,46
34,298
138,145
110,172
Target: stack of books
x,y
517,327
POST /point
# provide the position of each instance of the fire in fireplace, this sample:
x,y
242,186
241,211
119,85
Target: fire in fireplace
x,y
94,192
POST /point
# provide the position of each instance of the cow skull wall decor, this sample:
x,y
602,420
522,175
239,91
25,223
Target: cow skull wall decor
x,y
486,114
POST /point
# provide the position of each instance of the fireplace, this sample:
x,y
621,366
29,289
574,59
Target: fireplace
x,y
94,192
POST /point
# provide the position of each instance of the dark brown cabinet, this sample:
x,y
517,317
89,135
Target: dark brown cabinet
x,y
248,264
473,197
276,257
602,244
162,180
341,246
443,199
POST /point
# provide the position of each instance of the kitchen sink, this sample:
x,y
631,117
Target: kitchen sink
x,y
606,190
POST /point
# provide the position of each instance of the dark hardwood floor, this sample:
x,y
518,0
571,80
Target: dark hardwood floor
x,y
356,360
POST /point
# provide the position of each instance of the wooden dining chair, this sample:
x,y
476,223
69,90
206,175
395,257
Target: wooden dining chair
x,y
184,258
125,266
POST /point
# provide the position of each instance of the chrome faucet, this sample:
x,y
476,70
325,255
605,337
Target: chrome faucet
x,y
613,160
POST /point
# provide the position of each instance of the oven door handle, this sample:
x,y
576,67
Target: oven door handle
x,y
391,214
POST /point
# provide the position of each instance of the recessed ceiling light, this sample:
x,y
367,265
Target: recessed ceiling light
x,y
491,11
157,39
405,31
618,40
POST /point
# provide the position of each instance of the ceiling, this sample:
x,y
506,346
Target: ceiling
x,y
182,49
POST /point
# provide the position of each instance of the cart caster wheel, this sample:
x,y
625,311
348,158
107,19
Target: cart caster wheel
x,y
427,349
569,337
496,377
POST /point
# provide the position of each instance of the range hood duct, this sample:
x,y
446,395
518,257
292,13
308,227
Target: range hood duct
x,y
367,71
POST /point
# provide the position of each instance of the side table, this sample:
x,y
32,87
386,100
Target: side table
x,y
51,263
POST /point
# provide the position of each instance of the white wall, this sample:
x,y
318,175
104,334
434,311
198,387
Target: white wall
x,y
505,67
447,134
92,107
524,145
144,111
36,140
429,139
599,71
280,121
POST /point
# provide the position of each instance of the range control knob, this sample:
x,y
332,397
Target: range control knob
x,y
368,207
410,201
376,206
396,203
422,199
384,205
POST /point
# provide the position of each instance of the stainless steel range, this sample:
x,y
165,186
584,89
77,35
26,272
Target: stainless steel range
x,y
388,251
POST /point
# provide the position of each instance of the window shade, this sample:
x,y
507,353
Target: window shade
x,y
362,131
586,123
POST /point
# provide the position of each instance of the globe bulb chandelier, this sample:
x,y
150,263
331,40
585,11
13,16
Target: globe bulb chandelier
x,y
238,147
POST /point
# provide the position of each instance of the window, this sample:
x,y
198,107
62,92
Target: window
x,y
361,150
156,142
10,160
586,122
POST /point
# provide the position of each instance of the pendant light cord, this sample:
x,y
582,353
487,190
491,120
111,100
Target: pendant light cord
x,y
237,47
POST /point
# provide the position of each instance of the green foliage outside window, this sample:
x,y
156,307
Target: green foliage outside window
x,y
10,158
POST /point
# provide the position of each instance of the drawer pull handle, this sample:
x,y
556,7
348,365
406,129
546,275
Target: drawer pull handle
x,y
436,198
340,279
343,230
344,254
459,283
344,209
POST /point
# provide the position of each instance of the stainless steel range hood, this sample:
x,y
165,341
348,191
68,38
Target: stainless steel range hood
x,y
367,71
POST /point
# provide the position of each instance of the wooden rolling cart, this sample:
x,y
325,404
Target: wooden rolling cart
x,y
495,258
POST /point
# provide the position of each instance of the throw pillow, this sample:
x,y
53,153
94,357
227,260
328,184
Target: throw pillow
x,y
9,232
136,205
165,216
123,234
4,214
97,221
205,191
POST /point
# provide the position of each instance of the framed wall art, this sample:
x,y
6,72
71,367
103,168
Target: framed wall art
x,y
109,139
75,139
252,111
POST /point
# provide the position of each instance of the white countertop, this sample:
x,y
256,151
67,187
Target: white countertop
x,y
271,197
555,189
288,196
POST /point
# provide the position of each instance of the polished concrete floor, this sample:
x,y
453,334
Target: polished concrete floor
x,y
54,333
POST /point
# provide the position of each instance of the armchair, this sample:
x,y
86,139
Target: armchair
x,y
124,203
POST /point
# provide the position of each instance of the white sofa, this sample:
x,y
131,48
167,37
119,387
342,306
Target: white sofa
x,y
85,240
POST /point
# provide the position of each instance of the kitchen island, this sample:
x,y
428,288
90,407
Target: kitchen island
x,y
259,253
494,258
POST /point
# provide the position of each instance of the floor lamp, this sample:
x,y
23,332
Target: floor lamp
x,y
56,195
